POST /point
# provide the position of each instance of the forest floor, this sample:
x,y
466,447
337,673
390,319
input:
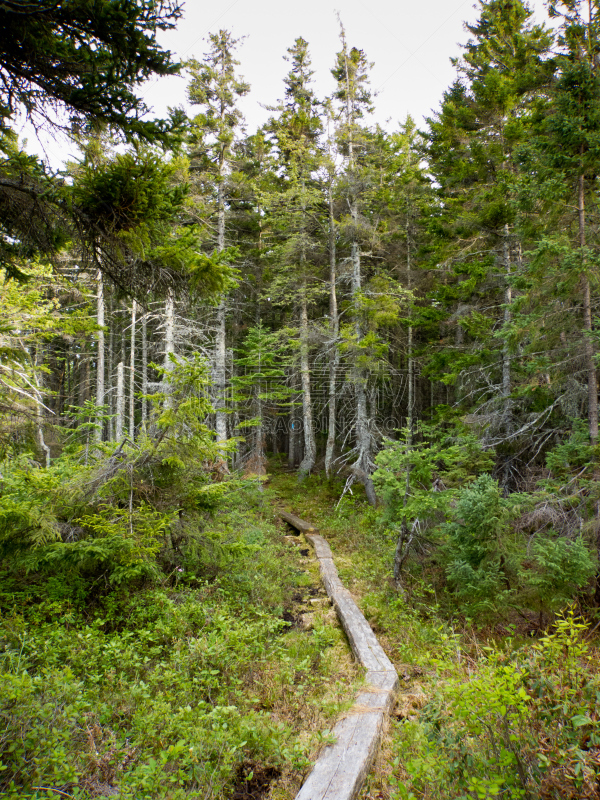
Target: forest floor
x,y
495,710
224,679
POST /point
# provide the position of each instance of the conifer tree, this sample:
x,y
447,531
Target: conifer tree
x,y
571,145
296,132
474,140
216,87
354,101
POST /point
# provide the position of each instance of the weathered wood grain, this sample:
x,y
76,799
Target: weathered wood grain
x,y
296,522
341,768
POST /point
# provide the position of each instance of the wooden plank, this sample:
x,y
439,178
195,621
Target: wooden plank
x,y
341,768
296,522
322,549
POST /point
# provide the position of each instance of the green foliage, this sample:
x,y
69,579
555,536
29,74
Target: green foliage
x,y
85,59
450,461
561,567
521,725
574,454
162,692
478,561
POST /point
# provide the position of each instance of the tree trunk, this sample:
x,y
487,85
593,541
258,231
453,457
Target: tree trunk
x,y
220,375
169,346
111,397
40,407
362,465
100,356
310,450
120,418
334,327
132,373
144,371
221,337
506,365
587,326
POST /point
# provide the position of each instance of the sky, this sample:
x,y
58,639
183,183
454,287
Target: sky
x,y
410,44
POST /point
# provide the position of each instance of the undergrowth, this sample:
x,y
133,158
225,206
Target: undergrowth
x,y
173,689
485,710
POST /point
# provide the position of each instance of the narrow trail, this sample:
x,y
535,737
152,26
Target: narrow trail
x,y
341,769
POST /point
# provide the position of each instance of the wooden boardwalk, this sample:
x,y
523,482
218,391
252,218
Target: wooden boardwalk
x,y
341,769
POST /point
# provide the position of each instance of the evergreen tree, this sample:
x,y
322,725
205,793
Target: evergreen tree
x,y
570,144
354,101
81,62
473,144
216,88
260,390
293,212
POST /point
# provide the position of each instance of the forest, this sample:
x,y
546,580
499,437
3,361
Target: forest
x,y
394,333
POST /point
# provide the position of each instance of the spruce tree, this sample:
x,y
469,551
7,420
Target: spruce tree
x,y
473,144
571,145
298,203
351,72
216,87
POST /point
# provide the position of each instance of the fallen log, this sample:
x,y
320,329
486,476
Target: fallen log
x,y
296,522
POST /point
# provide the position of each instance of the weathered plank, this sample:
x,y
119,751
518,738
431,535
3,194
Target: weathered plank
x,y
341,768
296,522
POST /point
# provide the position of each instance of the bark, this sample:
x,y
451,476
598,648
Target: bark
x,y
100,355
310,449
506,364
40,408
362,465
120,401
220,374
169,346
334,327
506,367
221,338
587,325
132,373
144,371
111,400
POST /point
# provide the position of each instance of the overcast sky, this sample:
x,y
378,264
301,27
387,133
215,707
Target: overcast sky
x,y
410,43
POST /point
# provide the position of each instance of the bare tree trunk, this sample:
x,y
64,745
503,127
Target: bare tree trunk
x,y
220,375
334,327
111,397
169,346
100,355
40,408
120,418
506,366
587,326
132,373
221,338
310,450
362,465
144,371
